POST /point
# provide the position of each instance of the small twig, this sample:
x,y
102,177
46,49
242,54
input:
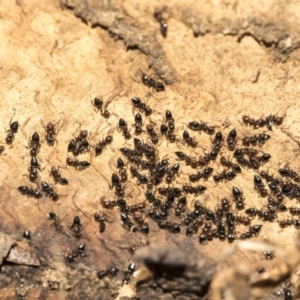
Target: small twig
x,y
86,214
291,137
114,93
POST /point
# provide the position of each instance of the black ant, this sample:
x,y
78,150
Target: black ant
x,y
286,223
264,158
258,185
218,140
30,192
202,126
294,211
268,215
13,129
128,273
141,178
238,198
253,231
57,176
50,133
268,177
173,227
107,204
205,174
121,203
102,144
227,163
153,135
101,274
281,208
225,204
194,189
297,223
268,254
164,129
194,163
143,226
112,271
34,144
83,134
272,119
137,219
226,176
138,146
194,227
134,208
207,231
210,130
246,221
83,146
123,127
203,239
27,235
189,140
171,137
195,126
168,131
137,103
248,120
288,295
79,144
101,220
150,82
76,227
132,155
252,122
78,165
261,270
72,147
115,180
180,206
219,211
250,152
122,169
190,161
180,155
33,169
231,140
170,191
149,152
163,24
268,121
49,192
150,196
127,223
252,212
199,206
138,122
80,251
262,138
172,172
217,145
116,183
98,104
287,172
56,221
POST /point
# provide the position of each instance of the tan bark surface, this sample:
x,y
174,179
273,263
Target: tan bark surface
x,y
219,61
